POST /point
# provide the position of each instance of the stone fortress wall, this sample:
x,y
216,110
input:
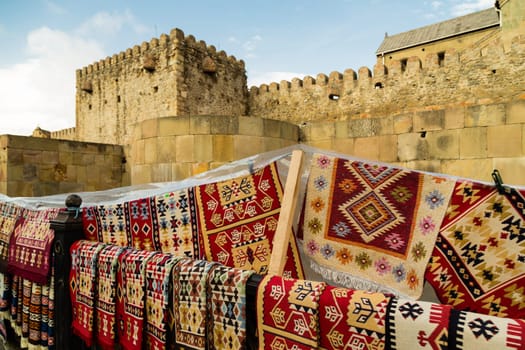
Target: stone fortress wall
x,y
174,107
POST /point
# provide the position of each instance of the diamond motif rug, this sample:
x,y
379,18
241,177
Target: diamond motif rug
x,y
417,325
9,214
30,245
238,218
83,283
190,302
158,281
352,319
368,222
105,223
106,291
131,297
287,313
177,222
227,308
469,330
478,263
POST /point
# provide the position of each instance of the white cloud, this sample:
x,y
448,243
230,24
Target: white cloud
x,y
467,7
41,90
258,78
104,23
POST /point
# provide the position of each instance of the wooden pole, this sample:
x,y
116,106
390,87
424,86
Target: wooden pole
x,y
284,226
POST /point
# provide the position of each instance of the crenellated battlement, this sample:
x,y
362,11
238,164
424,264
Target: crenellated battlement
x,y
451,77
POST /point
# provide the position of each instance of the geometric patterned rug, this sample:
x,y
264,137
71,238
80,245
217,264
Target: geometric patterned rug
x,y
238,219
287,313
372,227
352,319
478,263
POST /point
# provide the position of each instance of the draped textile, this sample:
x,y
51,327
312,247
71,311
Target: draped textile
x,y
158,300
372,227
287,313
238,218
30,245
83,284
227,308
131,292
9,214
478,263
190,302
106,291
417,325
352,319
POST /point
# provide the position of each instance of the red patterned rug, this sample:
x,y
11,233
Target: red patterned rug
x,y
30,245
227,308
83,284
106,291
417,325
372,227
238,218
190,300
131,297
287,313
352,319
478,263
158,280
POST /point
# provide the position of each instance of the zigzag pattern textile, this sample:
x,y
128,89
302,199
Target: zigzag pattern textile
x,y
366,222
227,308
238,218
287,313
30,245
478,263
9,215
352,319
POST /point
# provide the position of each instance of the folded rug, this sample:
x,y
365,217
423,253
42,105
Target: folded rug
x,y
105,223
238,218
478,263
83,283
417,325
190,301
372,227
9,214
106,290
352,319
287,313
30,245
227,308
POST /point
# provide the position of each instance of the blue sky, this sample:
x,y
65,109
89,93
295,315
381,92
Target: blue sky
x,y
44,41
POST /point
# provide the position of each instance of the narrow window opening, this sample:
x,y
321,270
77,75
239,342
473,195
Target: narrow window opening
x,y
155,89
441,59
333,97
493,71
118,98
89,107
423,134
378,85
404,62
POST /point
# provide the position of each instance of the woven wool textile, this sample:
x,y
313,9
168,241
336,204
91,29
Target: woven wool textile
x,y
177,223
9,214
287,313
131,297
352,319
106,223
367,222
417,325
83,283
190,301
158,280
30,245
227,308
473,331
238,218
106,289
478,263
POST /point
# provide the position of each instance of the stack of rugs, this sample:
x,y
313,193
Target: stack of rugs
x,y
26,274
